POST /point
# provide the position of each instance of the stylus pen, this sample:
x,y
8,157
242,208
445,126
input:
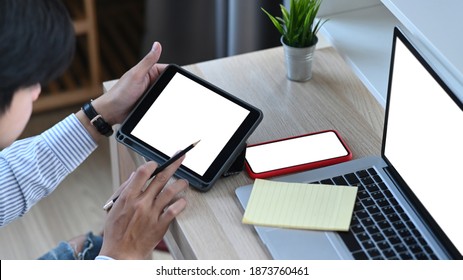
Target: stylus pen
x,y
110,203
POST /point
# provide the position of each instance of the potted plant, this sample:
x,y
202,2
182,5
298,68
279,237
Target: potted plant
x,y
298,28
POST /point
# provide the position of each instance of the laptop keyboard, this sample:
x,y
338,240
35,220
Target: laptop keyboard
x,y
380,229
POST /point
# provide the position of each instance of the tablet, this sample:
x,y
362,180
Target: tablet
x,y
180,109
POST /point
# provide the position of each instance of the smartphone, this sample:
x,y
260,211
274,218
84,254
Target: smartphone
x,y
295,154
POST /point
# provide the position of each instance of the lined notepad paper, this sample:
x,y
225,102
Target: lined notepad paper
x,y
300,206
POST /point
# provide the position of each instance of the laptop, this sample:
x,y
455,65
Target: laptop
x,y
410,199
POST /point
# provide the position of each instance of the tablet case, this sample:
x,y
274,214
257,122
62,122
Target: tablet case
x,y
231,165
234,165
238,164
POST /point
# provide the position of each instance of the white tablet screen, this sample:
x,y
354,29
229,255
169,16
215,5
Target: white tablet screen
x,y
186,112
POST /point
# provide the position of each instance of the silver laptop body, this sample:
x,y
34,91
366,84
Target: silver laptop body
x,y
420,168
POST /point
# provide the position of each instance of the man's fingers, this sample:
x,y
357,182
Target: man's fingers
x,y
161,179
172,211
169,194
156,71
142,175
121,188
147,63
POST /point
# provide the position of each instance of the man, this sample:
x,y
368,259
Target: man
x,y
36,45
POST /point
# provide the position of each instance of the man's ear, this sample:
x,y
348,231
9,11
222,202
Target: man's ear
x,y
35,91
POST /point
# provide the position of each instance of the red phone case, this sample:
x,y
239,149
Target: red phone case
x,y
301,167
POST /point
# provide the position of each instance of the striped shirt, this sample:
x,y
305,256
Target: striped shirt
x,y
30,169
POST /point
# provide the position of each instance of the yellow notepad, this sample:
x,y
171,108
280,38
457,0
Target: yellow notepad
x,y
300,206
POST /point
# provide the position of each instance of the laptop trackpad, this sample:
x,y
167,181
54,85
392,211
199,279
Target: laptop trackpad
x,y
298,244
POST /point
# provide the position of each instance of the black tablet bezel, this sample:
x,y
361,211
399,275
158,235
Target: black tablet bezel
x,y
224,158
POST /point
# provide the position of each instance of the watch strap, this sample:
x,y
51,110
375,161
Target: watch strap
x,y
97,120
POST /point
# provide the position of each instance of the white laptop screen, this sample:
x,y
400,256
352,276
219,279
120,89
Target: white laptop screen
x,y
424,140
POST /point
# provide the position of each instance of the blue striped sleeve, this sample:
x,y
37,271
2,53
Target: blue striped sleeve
x,y
32,168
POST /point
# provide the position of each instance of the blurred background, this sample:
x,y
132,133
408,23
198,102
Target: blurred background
x,y
114,34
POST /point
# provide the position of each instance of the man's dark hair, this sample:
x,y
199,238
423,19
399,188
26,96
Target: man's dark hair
x,y
37,44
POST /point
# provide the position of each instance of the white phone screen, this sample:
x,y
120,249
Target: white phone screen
x,y
295,151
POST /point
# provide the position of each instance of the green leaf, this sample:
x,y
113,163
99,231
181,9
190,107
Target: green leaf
x,y
298,26
275,22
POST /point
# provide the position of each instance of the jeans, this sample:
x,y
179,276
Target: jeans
x,y
64,251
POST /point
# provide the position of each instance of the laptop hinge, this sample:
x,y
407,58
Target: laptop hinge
x,y
391,176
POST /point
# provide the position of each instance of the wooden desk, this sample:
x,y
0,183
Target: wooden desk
x,y
210,227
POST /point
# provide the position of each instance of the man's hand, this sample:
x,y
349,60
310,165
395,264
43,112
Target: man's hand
x,y
139,218
116,104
